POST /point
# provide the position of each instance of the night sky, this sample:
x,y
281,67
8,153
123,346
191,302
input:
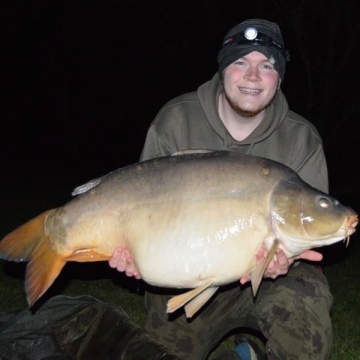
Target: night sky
x,y
82,80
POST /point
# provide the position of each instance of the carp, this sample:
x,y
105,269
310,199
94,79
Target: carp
x,y
194,220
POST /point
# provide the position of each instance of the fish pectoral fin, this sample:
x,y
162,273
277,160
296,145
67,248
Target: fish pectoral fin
x,y
87,255
194,305
177,301
258,273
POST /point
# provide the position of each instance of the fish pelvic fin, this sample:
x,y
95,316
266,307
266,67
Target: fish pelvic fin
x,y
177,301
29,242
87,255
194,305
258,273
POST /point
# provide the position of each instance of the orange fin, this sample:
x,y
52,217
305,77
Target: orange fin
x,y
20,243
30,243
44,267
177,301
194,305
87,255
258,273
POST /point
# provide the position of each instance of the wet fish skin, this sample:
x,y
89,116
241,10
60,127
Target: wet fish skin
x,y
194,220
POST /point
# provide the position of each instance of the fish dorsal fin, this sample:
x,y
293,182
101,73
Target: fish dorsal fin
x,y
194,305
87,186
193,151
177,301
258,273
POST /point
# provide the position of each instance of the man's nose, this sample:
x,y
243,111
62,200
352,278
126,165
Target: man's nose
x,y
252,74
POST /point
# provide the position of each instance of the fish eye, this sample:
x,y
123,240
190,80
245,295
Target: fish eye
x,y
324,203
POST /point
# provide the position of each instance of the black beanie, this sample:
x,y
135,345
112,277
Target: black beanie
x,y
254,35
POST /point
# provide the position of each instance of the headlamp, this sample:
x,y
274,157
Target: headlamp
x,y
251,36
250,33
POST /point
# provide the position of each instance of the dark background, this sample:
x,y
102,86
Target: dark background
x,y
82,80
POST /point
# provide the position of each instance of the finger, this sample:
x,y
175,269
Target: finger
x,y
133,270
272,266
113,261
245,279
261,254
122,260
129,271
121,265
310,255
125,254
137,275
279,266
282,259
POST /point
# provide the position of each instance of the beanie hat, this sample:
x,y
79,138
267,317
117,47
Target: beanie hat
x,y
254,35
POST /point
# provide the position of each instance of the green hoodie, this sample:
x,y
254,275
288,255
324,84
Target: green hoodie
x,y
192,121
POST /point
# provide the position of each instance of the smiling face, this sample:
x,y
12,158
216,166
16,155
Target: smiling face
x,y
250,84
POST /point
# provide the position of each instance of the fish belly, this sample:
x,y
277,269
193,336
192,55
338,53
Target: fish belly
x,y
183,245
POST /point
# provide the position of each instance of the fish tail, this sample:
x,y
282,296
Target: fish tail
x,y
30,243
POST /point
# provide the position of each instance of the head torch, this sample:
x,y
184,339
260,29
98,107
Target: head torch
x,y
251,36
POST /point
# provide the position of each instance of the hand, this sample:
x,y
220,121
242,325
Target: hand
x,y
122,260
280,264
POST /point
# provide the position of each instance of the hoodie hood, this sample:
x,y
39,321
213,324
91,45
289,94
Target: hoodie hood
x,y
275,115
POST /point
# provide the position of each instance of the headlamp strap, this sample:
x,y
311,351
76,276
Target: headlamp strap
x,y
260,40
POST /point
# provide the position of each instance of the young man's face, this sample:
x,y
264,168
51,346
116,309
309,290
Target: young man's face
x,y
250,84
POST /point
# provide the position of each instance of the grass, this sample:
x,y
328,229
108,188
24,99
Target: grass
x,y
345,286
20,202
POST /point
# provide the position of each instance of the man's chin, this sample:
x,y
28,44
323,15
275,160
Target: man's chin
x,y
247,113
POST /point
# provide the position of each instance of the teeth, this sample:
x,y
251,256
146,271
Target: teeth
x,y
250,91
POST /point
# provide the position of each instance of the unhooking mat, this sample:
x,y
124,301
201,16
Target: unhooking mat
x,y
68,328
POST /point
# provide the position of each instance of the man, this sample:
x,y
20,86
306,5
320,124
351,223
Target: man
x,y
242,109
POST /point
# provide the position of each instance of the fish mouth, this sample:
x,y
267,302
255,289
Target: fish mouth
x,y
350,225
